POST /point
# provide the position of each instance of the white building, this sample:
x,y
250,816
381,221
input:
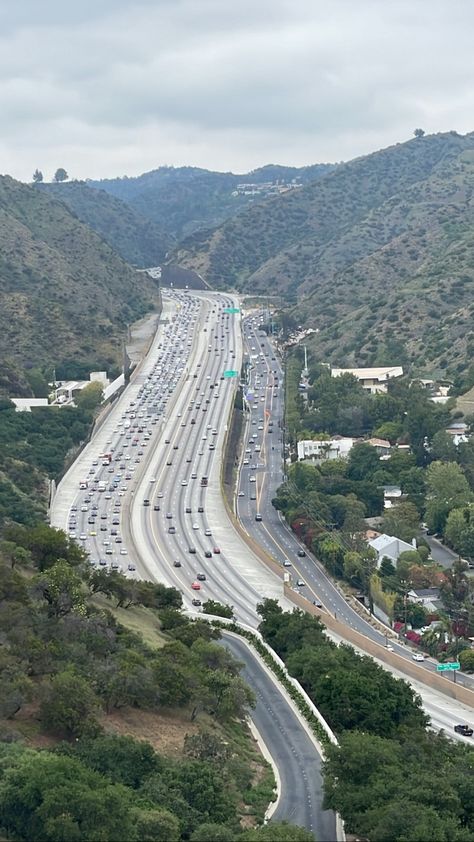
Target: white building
x,y
317,450
373,380
387,546
27,404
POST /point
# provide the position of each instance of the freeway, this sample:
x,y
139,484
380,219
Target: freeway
x,y
261,473
295,756
164,433
145,510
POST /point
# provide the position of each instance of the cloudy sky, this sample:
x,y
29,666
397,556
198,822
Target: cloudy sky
x,y
113,87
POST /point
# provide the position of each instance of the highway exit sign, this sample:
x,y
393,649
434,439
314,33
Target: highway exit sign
x,y
230,373
451,665
231,310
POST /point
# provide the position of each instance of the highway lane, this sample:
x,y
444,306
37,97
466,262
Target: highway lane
x,y
218,348
266,381
294,754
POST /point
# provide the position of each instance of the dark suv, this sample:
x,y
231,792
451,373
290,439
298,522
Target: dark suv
x,y
465,730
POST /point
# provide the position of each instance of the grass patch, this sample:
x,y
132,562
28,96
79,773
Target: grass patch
x,y
141,620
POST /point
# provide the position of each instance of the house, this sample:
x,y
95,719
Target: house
x,y
459,431
67,390
387,546
427,597
391,493
373,380
319,450
382,446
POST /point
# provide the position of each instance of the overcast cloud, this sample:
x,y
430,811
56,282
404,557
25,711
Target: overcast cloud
x,y
113,87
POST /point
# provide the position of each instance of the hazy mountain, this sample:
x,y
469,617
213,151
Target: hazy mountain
x,y
137,239
181,200
379,254
64,293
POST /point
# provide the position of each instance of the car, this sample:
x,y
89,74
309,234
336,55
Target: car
x,y
300,583
195,526
258,517
241,493
192,550
172,530
389,648
169,463
160,494
252,479
417,656
208,554
465,730
188,510
301,553
196,602
123,551
176,563
184,482
216,550
131,567
156,507
201,577
200,509
287,563
146,502
196,586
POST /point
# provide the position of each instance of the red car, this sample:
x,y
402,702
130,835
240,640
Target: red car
x,y
196,586
216,550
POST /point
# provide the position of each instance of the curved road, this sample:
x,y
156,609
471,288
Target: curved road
x,y
294,754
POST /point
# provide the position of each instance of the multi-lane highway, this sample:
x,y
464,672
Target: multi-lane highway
x,y
152,506
150,455
260,474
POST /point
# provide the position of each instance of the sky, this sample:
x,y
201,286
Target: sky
x,y
106,88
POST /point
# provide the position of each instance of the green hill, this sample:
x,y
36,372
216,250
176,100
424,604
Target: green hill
x,y
137,239
378,254
184,199
64,293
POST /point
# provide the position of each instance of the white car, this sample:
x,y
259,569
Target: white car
x,y
207,532
195,526
418,656
152,479
123,551
184,482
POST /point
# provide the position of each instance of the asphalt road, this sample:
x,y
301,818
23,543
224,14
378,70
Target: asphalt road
x,y
263,453
293,752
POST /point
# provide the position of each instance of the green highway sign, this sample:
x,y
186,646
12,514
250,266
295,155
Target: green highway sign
x,y
453,665
231,373
231,309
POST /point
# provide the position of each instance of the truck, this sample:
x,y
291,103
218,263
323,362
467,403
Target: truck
x,y
106,458
84,483
204,481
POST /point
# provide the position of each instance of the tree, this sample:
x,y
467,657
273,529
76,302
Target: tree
x,y
419,132
37,176
62,589
90,397
209,832
123,759
447,489
158,825
217,609
466,658
56,799
60,175
402,521
363,461
69,705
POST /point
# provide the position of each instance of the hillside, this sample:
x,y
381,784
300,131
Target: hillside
x,y
184,199
138,240
64,293
378,254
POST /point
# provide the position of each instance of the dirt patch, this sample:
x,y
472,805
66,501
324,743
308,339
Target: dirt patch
x,y
165,732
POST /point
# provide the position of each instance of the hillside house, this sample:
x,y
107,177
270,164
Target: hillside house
x,y
388,546
316,450
373,380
